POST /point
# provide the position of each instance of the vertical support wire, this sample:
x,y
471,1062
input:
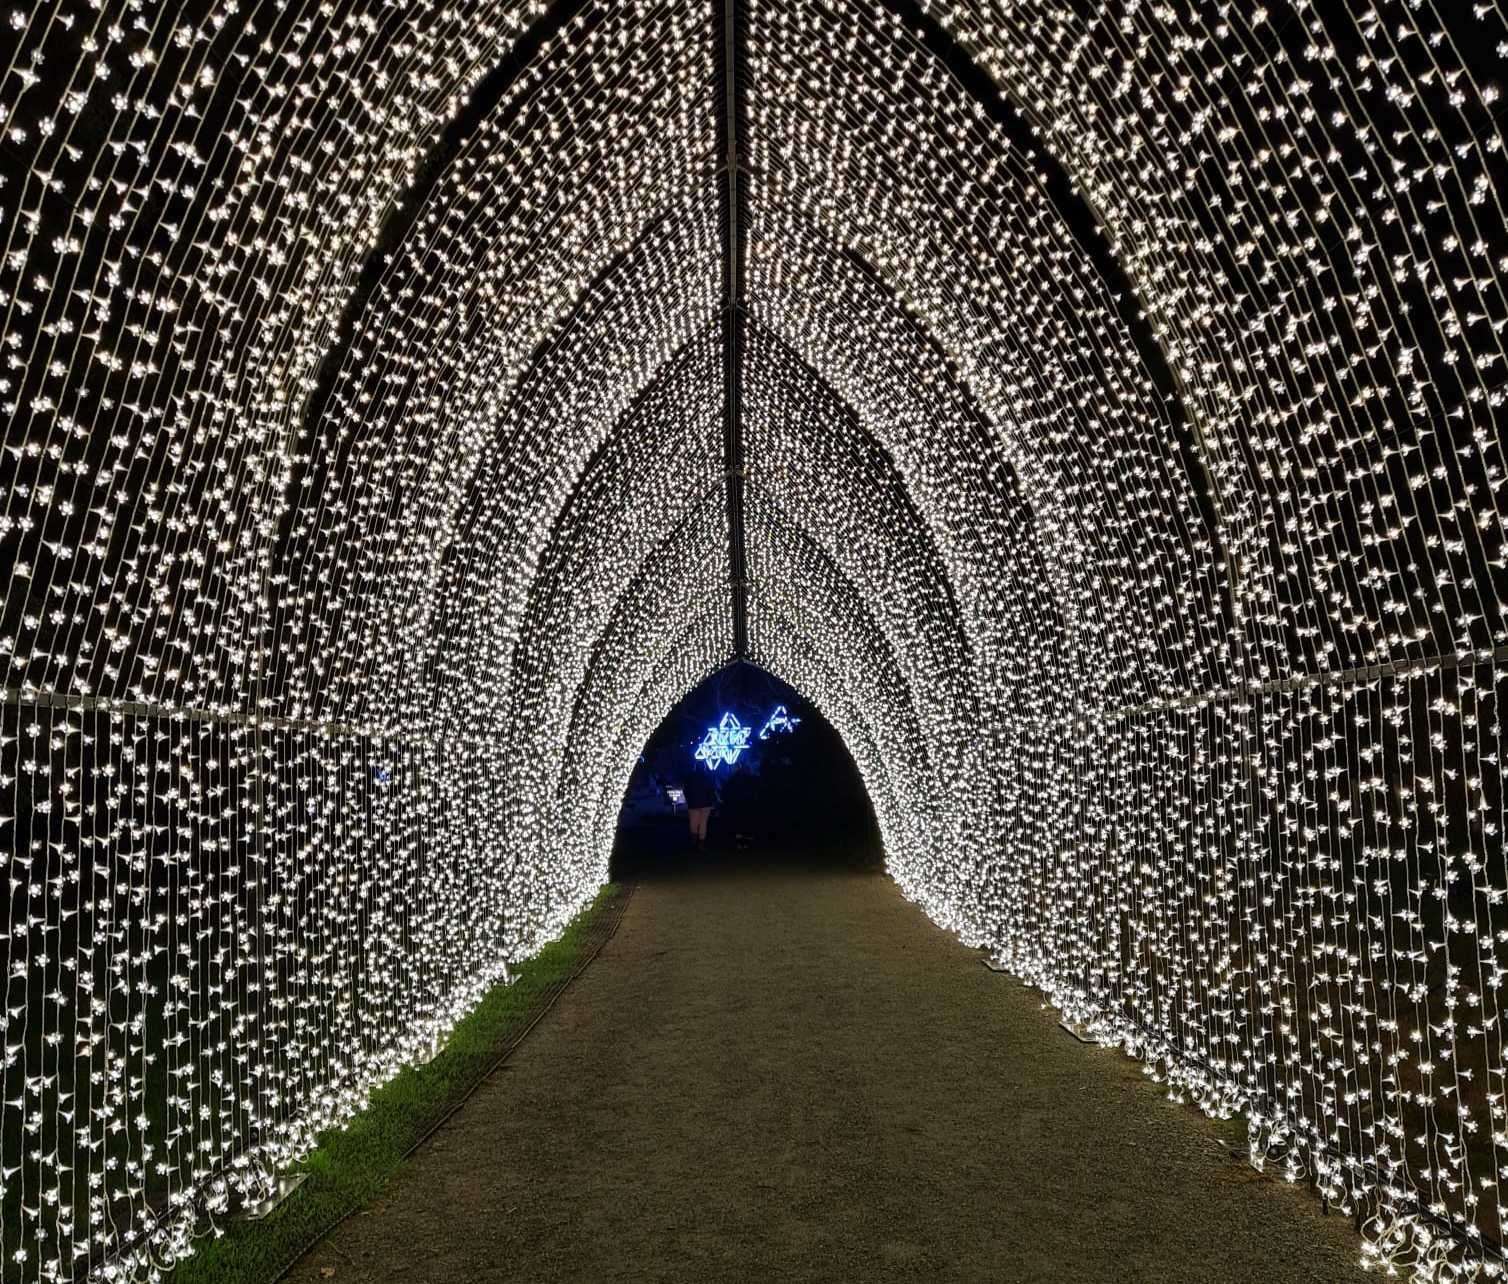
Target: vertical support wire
x,y
733,306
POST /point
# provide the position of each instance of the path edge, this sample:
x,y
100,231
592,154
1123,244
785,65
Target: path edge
x,y
611,922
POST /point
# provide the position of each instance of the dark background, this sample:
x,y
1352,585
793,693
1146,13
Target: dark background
x,y
795,796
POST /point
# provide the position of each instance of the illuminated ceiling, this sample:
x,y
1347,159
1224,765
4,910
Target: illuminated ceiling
x,y
1093,409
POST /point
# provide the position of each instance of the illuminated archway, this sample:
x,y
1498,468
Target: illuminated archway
x,y
1095,414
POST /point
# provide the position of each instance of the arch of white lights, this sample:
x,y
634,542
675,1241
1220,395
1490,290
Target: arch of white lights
x,y
1118,469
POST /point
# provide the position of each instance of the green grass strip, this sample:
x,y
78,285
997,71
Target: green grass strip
x,y
351,1165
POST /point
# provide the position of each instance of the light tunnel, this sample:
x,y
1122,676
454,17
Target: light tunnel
x,y
1094,410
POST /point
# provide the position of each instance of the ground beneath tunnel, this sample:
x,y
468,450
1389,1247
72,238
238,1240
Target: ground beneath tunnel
x,y
785,1072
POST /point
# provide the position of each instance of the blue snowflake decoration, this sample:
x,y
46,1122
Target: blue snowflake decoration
x,y
723,743
780,720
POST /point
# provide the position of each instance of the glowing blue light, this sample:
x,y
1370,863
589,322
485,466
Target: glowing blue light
x,y
723,743
780,720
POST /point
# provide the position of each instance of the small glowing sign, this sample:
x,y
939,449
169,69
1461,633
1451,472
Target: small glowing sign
x,y
780,720
677,797
723,743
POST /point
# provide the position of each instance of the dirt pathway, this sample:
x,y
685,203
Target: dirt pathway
x,y
787,1075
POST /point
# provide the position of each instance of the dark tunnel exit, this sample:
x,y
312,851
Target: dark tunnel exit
x,y
781,784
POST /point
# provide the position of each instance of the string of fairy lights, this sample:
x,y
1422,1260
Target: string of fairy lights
x,y
1120,473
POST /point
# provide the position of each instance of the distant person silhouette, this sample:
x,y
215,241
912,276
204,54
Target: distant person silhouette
x,y
701,798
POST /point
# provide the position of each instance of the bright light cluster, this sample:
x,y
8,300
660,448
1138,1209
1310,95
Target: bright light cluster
x,y
1228,569
780,721
1120,475
723,743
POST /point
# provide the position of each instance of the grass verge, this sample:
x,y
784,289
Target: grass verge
x,y
351,1165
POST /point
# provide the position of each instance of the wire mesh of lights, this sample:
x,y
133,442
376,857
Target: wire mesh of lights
x,y
1272,731
358,542
634,510
794,577
832,677
844,573
272,438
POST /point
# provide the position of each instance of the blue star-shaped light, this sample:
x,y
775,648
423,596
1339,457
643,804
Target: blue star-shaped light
x,y
723,743
780,720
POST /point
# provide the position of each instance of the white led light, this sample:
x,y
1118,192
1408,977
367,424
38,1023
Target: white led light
x,y
1121,476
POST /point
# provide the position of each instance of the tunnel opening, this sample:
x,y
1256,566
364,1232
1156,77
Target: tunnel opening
x,y
781,785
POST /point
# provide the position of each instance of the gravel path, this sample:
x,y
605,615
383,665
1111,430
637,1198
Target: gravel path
x,y
792,1075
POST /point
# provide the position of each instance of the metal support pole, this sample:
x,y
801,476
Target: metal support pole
x,y
733,445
